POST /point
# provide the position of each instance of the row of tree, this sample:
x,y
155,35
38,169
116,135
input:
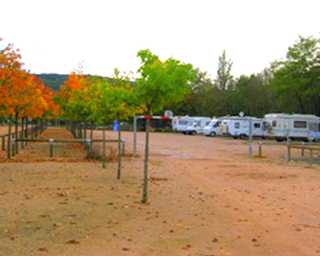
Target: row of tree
x,y
291,85
96,100
23,97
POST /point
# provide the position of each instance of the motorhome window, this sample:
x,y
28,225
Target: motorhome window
x,y
274,123
300,124
183,122
237,125
256,125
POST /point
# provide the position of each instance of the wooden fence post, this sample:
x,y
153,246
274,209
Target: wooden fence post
x,y
123,149
289,153
3,140
87,146
13,143
260,149
51,141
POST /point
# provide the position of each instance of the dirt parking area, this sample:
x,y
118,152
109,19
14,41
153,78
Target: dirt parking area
x,y
206,198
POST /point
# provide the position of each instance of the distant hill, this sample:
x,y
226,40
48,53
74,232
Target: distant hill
x,y
56,80
53,80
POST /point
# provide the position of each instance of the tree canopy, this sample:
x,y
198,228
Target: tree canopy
x,y
162,83
22,94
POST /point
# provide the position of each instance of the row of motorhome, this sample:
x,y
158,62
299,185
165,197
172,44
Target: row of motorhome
x,y
277,126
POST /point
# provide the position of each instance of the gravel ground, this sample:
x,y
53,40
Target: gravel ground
x,y
206,198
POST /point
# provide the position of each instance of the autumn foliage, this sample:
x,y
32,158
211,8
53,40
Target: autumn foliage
x,y
97,100
21,93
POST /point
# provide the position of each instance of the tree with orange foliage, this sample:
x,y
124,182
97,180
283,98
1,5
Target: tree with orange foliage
x,y
22,95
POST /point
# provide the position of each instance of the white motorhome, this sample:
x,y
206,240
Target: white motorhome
x,y
238,127
180,123
197,125
293,126
213,128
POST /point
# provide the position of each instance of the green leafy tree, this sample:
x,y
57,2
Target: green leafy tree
x,y
296,80
160,84
252,96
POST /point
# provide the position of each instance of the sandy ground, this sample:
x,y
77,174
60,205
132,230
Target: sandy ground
x,y
3,130
206,198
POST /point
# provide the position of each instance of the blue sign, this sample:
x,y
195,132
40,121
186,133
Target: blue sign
x,y
115,126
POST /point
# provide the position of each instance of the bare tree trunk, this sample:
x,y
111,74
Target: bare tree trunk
x,y
9,140
16,134
146,159
26,134
22,132
119,152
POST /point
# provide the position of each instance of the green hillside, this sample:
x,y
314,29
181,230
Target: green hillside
x,y
53,80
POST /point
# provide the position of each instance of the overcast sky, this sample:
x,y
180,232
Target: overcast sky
x,y
57,35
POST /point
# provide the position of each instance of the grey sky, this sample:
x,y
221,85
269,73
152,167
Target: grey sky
x,y
54,36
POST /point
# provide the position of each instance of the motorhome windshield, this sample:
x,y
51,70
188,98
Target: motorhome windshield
x,y
214,124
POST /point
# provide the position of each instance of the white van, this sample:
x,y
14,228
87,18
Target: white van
x,y
197,125
293,126
180,123
238,127
213,128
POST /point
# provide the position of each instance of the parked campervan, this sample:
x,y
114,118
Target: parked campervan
x,y
197,125
213,128
294,126
238,127
180,123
